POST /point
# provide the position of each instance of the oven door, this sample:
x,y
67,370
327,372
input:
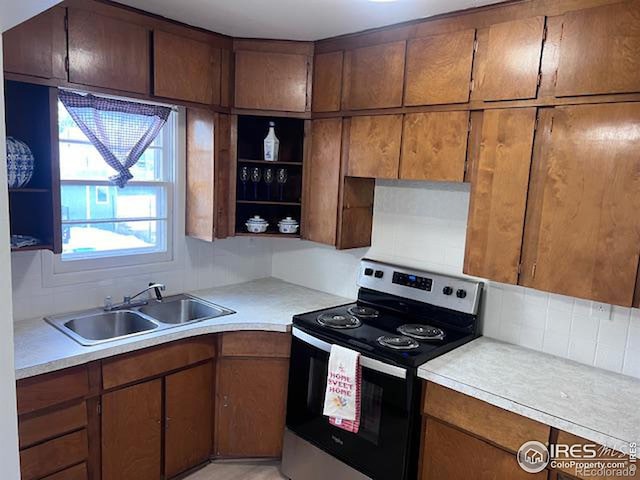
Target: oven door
x,y
381,447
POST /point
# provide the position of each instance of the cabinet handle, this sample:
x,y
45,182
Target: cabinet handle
x,y
166,423
225,401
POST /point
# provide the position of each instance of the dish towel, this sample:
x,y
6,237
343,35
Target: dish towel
x,y
342,397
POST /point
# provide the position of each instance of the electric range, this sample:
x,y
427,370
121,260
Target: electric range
x,y
402,318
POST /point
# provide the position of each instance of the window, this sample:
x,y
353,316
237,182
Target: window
x,y
101,220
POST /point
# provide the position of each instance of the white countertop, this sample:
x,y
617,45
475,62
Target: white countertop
x,y
268,304
595,404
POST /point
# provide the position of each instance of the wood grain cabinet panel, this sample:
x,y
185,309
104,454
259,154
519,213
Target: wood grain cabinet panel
x,y
355,213
77,472
582,229
374,146
324,181
188,418
200,195
500,180
453,455
107,52
600,50
37,47
42,391
439,69
271,81
508,60
35,429
255,344
186,69
250,405
434,146
132,432
54,455
373,76
327,82
494,424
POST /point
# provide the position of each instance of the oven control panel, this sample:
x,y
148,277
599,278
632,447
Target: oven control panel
x,y
412,281
445,291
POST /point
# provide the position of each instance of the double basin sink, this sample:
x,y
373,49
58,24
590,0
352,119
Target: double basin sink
x,y
98,326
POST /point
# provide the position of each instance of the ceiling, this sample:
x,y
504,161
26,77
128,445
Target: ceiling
x,y
297,19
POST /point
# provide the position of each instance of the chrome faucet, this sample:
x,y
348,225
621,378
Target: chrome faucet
x,y
127,301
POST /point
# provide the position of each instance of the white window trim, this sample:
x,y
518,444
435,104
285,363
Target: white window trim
x,y
107,192
98,269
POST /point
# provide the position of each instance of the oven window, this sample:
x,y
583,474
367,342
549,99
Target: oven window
x,y
370,400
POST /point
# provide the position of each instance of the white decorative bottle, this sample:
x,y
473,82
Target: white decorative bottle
x,y
271,144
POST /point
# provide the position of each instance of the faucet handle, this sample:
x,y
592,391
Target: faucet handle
x,y
108,302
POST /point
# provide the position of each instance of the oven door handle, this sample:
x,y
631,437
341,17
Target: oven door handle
x,y
365,362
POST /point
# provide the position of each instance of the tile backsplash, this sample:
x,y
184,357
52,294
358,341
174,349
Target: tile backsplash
x,y
424,225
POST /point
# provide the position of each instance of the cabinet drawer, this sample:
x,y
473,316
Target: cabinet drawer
x,y
77,472
53,456
156,361
499,426
36,429
569,439
256,344
51,389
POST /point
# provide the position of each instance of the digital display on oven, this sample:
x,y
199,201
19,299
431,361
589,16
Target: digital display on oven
x,y
412,281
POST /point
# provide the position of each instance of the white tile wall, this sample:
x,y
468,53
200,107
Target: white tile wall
x,y
205,265
424,225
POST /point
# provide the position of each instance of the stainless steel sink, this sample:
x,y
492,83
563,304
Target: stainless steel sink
x,y
93,327
97,327
181,309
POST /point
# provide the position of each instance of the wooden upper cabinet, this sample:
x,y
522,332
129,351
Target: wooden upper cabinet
x,y
200,195
374,146
271,81
499,182
373,77
327,82
107,52
508,60
186,69
434,146
439,69
323,181
582,227
38,46
600,51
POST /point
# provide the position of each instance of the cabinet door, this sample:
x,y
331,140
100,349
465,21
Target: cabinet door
x,y
327,82
250,404
185,69
374,146
188,419
323,181
200,199
500,179
508,60
599,51
434,146
106,52
38,46
132,432
448,453
373,76
439,69
582,227
271,81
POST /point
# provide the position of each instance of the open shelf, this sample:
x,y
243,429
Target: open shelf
x,y
275,202
40,246
268,234
29,190
270,162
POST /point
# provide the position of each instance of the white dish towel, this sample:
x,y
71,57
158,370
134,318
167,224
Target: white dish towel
x,y
341,397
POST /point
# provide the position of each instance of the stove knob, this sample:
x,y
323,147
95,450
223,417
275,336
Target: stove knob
x,y
379,274
447,290
368,271
461,293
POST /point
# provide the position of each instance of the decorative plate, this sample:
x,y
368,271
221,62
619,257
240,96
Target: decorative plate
x,y
20,163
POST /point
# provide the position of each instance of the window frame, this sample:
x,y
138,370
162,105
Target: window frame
x,y
133,256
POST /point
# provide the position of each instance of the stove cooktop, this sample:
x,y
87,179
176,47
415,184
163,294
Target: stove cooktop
x,y
365,338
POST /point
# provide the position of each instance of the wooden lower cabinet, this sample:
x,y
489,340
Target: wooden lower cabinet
x,y
188,418
250,406
132,432
77,472
451,454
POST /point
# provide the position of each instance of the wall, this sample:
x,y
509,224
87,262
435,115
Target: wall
x,y
8,415
14,12
424,225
